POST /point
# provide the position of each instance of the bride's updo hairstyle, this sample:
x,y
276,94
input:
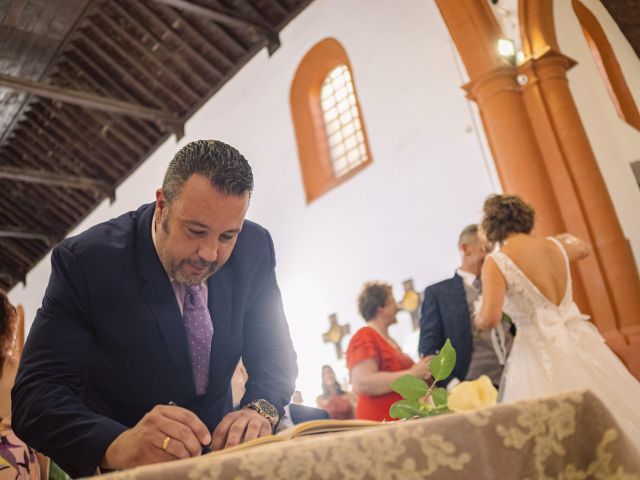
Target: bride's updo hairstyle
x,y
505,215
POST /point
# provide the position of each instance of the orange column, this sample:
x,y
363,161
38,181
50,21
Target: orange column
x,y
595,298
542,152
494,87
580,188
612,268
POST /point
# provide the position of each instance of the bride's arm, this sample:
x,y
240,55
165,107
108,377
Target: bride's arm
x,y
493,289
576,249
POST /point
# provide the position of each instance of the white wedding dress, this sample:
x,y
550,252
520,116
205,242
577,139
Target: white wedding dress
x,y
557,350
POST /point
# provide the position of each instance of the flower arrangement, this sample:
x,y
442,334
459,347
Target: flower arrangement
x,y
422,400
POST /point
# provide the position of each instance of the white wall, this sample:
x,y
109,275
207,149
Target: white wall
x,y
615,143
397,219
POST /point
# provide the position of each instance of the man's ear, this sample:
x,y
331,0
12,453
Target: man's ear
x,y
464,248
161,202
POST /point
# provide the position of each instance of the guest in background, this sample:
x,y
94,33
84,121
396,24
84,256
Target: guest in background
x,y
297,398
337,402
374,359
17,460
448,312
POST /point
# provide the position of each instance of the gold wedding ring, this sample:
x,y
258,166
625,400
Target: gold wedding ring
x,y
165,442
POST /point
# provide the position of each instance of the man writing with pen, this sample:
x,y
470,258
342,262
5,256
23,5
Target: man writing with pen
x,y
129,360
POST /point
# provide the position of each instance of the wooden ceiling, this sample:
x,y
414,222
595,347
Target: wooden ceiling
x,y
626,14
90,88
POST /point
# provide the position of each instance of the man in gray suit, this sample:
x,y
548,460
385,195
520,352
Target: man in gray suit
x,y
447,312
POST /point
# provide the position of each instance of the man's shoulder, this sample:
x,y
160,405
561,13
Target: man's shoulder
x,y
116,233
444,285
252,237
252,231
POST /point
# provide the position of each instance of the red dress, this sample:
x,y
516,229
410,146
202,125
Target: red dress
x,y
367,343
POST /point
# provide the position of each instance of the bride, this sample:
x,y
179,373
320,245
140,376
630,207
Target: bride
x,y
556,349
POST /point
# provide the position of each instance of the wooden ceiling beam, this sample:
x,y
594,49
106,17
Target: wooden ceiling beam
x,y
33,210
231,19
13,12
134,63
100,85
49,178
36,152
104,57
56,121
166,53
105,125
86,100
73,159
191,29
64,206
8,246
169,31
144,52
12,277
7,231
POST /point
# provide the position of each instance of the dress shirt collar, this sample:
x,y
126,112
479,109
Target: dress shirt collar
x,y
467,277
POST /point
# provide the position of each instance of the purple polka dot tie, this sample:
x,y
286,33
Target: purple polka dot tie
x,y
197,322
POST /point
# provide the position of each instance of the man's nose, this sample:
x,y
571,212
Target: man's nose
x,y
208,251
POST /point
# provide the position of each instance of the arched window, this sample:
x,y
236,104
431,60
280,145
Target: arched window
x,y
332,141
608,65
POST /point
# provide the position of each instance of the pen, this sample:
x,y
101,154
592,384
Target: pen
x,y
205,448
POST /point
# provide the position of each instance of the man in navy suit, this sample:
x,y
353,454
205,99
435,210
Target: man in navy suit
x,y
447,312
130,358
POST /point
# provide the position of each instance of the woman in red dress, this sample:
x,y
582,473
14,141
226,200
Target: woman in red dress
x,y
337,402
374,359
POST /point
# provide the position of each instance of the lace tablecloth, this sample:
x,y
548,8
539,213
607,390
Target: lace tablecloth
x,y
568,436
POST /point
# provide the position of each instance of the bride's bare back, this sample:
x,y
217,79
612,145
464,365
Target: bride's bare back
x,y
542,262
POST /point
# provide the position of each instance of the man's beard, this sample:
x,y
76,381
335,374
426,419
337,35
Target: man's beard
x,y
174,266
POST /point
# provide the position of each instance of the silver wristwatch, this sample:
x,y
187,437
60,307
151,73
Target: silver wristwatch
x,y
265,409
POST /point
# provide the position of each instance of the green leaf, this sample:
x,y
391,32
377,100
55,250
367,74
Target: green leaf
x,y
506,318
439,396
438,410
410,387
443,363
405,409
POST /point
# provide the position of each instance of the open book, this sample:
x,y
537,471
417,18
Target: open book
x,y
312,427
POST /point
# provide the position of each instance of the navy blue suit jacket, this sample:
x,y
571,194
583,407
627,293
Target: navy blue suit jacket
x,y
445,314
109,344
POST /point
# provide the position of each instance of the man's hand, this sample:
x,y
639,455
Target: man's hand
x,y
240,426
143,444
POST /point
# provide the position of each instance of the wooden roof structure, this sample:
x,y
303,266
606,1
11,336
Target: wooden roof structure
x,y
90,88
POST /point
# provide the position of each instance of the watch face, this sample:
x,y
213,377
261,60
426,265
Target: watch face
x,y
267,408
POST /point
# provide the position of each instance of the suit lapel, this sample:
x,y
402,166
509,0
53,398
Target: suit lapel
x,y
462,307
220,301
160,297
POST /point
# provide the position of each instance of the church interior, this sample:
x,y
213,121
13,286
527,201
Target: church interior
x,y
375,131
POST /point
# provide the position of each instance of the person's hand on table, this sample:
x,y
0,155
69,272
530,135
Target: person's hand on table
x,y
240,426
165,433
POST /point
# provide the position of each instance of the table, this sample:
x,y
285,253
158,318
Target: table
x,y
568,436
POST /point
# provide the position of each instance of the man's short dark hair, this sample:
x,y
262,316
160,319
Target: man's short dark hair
x,y
468,235
225,167
373,296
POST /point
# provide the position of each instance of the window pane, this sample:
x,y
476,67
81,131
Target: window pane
x,y
342,121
